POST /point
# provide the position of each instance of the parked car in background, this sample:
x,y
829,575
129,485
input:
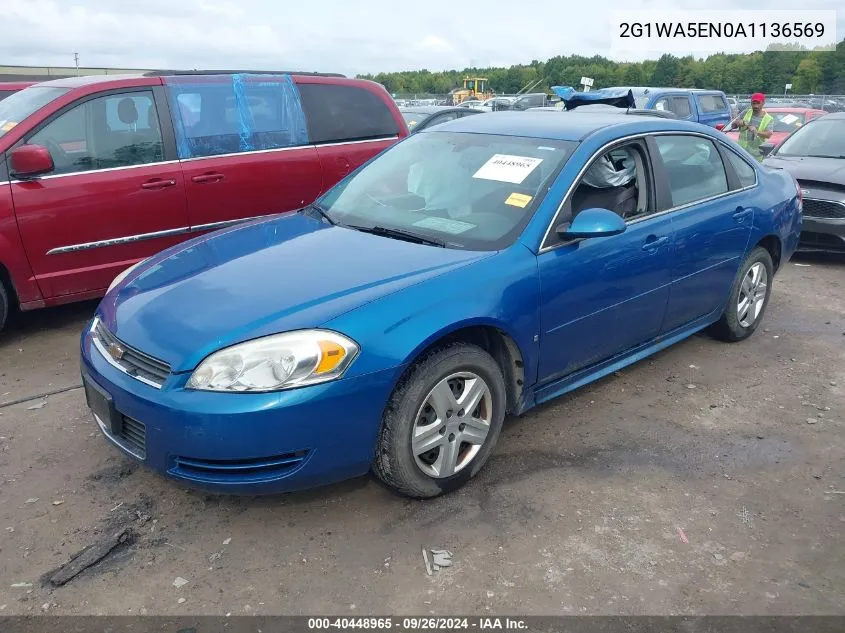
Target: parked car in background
x,y
709,107
474,270
786,121
470,103
421,118
815,156
97,173
8,88
531,100
497,104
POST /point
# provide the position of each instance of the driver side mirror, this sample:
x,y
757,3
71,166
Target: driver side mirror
x,y
29,161
766,148
593,222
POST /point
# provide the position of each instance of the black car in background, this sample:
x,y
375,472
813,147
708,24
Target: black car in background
x,y
815,156
423,117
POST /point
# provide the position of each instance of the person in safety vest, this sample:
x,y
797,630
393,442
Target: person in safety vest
x,y
755,126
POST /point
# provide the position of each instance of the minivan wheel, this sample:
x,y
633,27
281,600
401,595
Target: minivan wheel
x,y
749,297
4,305
442,422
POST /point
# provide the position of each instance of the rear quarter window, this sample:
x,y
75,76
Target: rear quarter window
x,y
712,103
338,113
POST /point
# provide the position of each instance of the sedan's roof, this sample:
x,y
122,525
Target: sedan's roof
x,y
562,128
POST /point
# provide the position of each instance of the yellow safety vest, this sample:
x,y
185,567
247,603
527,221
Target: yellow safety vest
x,y
752,142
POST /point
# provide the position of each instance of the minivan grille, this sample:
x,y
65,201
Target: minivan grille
x,y
814,208
129,360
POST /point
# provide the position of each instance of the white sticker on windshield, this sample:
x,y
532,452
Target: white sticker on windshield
x,y
453,227
507,168
789,119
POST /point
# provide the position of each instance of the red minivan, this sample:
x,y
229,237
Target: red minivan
x,y
99,172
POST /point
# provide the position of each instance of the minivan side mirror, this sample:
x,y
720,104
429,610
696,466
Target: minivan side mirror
x,y
593,222
28,161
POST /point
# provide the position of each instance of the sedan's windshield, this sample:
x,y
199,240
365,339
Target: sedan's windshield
x,y
824,137
473,191
20,105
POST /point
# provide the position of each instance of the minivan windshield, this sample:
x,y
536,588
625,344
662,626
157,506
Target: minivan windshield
x,y
15,108
822,137
460,190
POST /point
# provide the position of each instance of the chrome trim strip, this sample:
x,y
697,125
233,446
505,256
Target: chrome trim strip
x,y
96,341
97,171
630,137
72,248
114,439
5,182
816,217
368,140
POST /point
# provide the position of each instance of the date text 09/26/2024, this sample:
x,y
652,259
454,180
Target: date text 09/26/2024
x,y
418,624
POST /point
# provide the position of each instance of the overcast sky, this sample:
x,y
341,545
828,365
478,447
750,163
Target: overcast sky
x,y
347,36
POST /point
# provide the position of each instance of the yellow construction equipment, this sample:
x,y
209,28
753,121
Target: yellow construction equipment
x,y
474,88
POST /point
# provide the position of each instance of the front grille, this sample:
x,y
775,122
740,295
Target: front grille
x,y
134,435
810,239
129,360
238,470
814,208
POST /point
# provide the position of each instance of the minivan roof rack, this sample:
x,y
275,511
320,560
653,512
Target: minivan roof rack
x,y
164,73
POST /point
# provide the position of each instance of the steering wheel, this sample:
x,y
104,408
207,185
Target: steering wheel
x,y
59,156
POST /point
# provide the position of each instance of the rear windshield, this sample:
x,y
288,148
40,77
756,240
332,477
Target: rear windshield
x,y
787,121
20,105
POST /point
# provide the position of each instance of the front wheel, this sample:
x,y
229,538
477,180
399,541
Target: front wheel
x,y
749,297
441,422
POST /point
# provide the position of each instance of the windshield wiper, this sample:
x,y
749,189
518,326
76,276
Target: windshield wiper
x,y
319,210
399,234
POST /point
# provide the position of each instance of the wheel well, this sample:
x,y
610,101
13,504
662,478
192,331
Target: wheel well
x,y
772,244
500,346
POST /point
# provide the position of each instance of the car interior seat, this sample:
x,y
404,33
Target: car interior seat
x,y
610,183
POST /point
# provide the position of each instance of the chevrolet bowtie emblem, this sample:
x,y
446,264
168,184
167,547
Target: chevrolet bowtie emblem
x,y
116,351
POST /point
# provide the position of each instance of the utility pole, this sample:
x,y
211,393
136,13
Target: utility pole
x,y
76,62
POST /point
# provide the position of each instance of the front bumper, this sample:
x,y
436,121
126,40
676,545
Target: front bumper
x,y
240,443
822,234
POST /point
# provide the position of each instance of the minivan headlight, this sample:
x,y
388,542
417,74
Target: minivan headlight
x,y
279,361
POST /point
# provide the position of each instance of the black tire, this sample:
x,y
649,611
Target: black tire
x,y
394,463
4,305
729,328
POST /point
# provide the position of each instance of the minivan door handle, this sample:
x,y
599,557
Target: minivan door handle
x,y
653,242
207,178
158,183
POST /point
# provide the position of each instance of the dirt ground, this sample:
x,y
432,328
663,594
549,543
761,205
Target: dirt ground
x,y
709,479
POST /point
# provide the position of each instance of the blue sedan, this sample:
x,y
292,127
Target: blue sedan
x,y
471,271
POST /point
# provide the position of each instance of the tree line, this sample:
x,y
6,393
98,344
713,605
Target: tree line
x,y
809,72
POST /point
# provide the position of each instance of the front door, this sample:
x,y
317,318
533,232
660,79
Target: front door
x,y
113,198
601,297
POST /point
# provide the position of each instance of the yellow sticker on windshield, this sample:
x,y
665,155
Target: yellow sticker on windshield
x,y
518,200
8,125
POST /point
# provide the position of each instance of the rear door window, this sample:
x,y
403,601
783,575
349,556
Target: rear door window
x,y
680,106
693,166
235,114
712,103
339,113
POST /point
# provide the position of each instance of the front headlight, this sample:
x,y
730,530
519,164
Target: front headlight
x,y
279,361
123,275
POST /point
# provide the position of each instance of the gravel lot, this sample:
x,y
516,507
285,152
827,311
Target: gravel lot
x,y
707,479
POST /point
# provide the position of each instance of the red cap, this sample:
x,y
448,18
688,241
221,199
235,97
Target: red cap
x,y
758,96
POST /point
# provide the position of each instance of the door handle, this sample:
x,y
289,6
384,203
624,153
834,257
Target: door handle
x,y
741,213
207,178
653,242
158,183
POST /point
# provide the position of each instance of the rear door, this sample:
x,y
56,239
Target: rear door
x,y
713,108
243,147
116,194
348,122
701,189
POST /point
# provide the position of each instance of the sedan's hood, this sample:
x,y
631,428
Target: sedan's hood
x,y
279,274
830,170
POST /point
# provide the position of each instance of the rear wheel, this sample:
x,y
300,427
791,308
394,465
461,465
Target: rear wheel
x,y
442,422
749,297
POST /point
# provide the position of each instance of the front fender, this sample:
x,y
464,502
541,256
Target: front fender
x,y
501,292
